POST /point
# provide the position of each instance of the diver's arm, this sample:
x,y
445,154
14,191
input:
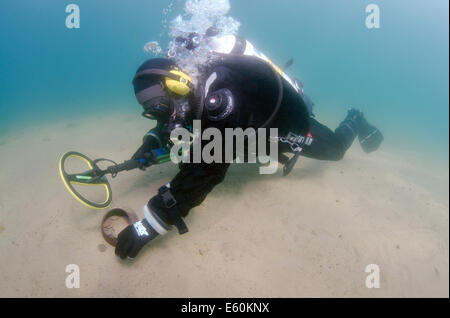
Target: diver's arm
x,y
187,190
154,139
172,203
194,182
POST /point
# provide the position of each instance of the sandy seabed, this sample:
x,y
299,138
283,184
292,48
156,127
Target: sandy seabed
x,y
310,234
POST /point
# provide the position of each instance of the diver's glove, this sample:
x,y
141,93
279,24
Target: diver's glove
x,y
160,214
144,153
135,236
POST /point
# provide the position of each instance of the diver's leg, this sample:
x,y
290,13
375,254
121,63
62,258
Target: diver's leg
x,y
329,145
320,143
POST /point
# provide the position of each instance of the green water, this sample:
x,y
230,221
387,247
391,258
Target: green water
x,y
398,74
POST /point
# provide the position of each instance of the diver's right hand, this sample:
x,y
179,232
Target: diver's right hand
x,y
144,153
144,164
140,153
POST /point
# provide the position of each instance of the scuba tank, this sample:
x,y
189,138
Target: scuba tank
x,y
293,90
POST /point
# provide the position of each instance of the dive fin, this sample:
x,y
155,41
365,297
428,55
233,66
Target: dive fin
x,y
370,138
290,164
283,159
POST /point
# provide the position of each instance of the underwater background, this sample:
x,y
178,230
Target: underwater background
x,y
311,234
398,74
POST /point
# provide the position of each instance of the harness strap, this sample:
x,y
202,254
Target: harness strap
x,y
296,143
174,213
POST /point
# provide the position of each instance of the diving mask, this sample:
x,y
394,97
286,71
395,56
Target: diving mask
x,y
158,108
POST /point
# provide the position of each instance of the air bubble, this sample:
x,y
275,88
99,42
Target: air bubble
x,y
198,17
153,47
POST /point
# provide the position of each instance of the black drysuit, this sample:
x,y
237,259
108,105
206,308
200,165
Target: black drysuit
x,y
195,180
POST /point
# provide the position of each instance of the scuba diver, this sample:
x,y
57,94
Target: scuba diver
x,y
239,87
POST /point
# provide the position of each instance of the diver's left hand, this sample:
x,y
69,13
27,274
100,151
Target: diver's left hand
x,y
135,236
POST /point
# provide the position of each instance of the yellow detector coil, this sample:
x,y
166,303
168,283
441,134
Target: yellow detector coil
x,y
87,178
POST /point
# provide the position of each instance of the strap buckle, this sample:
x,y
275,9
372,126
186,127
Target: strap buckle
x,y
172,210
168,198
